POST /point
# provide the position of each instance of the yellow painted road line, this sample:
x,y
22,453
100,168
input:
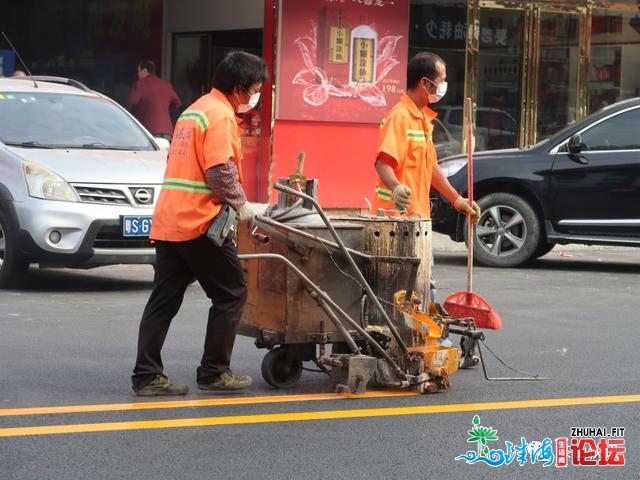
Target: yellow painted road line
x,y
208,402
306,416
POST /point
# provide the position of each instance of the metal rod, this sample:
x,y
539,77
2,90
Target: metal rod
x,y
336,321
24,65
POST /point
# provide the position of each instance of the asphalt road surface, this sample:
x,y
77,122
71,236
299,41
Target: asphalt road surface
x,y
67,346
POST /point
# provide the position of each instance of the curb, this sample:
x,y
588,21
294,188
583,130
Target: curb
x,y
442,243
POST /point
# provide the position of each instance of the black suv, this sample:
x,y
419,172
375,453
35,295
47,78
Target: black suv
x,y
581,185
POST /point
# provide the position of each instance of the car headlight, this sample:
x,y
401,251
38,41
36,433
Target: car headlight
x,y
451,167
43,183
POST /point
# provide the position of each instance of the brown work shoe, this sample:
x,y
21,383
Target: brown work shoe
x,y
227,381
161,385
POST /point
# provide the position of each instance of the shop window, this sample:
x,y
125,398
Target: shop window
x,y
604,76
615,58
196,54
557,72
499,82
442,29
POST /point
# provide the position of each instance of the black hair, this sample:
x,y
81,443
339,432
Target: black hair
x,y
147,65
423,64
239,69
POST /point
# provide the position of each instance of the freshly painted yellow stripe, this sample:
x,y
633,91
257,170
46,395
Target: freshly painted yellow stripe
x,y
208,402
306,416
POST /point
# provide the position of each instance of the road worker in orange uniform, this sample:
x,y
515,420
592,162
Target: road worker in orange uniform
x,y
407,163
203,173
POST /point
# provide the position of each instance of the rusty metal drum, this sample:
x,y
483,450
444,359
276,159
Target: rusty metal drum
x,y
404,239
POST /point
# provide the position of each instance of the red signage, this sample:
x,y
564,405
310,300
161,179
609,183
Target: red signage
x,y
341,60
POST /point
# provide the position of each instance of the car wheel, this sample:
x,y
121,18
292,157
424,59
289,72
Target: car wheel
x,y
12,267
507,233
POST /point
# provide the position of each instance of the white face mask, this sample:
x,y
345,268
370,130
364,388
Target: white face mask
x,y
253,100
441,90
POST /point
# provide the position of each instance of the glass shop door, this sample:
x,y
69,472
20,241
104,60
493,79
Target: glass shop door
x,y
528,65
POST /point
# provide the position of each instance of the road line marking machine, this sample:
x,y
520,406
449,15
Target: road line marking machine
x,y
346,293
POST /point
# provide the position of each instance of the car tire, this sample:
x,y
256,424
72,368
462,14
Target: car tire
x,y
507,233
13,267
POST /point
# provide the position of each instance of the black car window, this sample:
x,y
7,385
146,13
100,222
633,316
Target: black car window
x,y
619,132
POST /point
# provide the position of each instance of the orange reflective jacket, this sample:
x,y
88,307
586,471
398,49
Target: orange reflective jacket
x,y
206,135
406,136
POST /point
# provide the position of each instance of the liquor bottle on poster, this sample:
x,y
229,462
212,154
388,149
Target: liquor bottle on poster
x,y
333,46
362,56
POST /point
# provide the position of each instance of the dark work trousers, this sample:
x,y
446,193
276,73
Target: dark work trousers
x,y
218,271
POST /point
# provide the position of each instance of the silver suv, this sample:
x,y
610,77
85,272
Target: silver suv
x,y
79,178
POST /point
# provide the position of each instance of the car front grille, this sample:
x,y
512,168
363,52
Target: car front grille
x,y
111,237
102,195
116,195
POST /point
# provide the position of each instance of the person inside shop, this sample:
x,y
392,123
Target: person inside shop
x,y
151,100
203,174
406,163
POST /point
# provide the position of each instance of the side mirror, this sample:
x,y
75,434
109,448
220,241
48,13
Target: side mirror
x,y
162,142
574,145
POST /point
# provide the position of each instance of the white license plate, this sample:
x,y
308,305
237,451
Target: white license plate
x,y
136,226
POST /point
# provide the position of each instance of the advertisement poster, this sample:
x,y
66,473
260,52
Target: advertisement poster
x,y
341,60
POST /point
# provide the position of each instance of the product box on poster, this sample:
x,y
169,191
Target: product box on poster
x,y
341,61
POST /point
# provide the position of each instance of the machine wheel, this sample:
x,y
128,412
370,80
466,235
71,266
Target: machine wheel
x,y
279,371
13,268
